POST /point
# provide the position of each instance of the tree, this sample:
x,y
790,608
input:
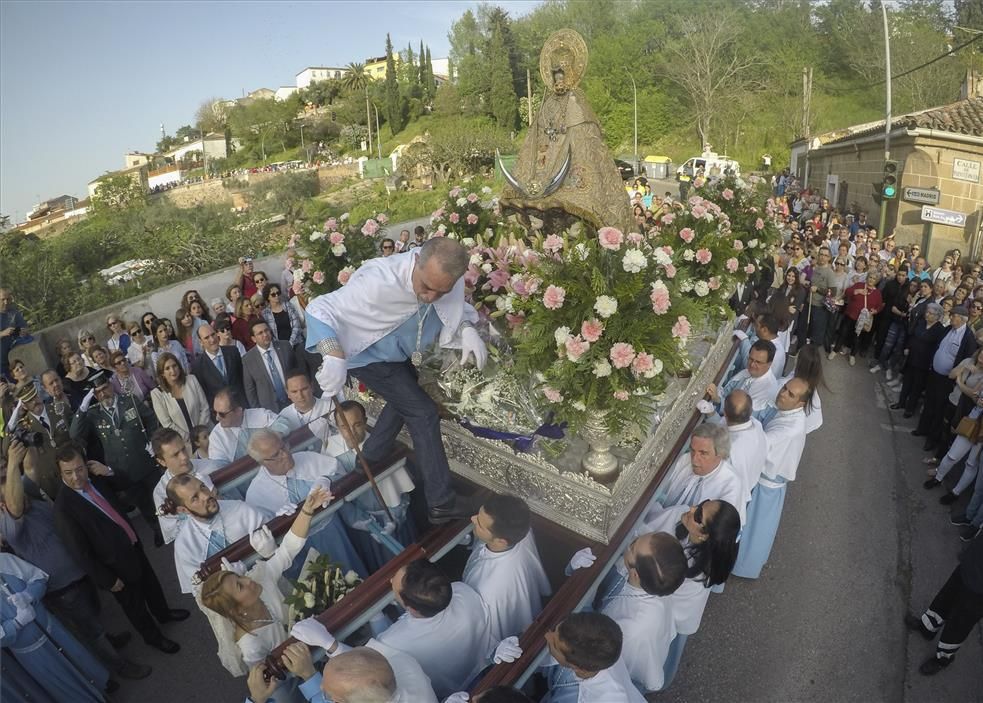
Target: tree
x,y
356,79
501,96
429,84
395,109
119,192
211,116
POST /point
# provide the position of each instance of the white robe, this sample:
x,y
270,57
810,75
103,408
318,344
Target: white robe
x,y
268,493
786,439
412,684
314,419
511,583
451,646
224,445
814,418
748,452
170,524
611,685
762,389
648,628
392,487
235,520
683,486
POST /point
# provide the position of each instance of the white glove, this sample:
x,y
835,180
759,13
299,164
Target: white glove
x,y
508,650
459,697
21,600
287,509
15,416
582,559
24,615
471,343
87,401
263,542
312,633
236,567
325,483
705,407
740,334
332,375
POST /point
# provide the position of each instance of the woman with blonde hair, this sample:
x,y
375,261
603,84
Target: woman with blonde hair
x,y
118,338
179,400
86,341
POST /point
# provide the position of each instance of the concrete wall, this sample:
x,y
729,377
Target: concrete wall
x,y
163,302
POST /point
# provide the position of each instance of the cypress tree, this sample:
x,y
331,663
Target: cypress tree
x,y
431,87
394,101
501,95
423,71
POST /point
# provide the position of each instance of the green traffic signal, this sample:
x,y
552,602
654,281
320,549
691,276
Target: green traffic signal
x,y
889,186
890,191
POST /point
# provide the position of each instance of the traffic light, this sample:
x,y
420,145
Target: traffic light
x,y
889,186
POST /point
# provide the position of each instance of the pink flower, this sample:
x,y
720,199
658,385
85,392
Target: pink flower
x,y
668,218
732,265
344,275
610,238
454,218
698,211
738,245
331,224
298,286
576,347
455,192
532,285
759,224
670,271
472,197
552,395
749,269
553,297
714,283
471,276
498,278
553,244
592,330
687,234
370,227
681,329
515,321
621,395
306,265
703,256
382,218
727,194
660,298
635,238
336,238
472,219
622,354
643,363
318,277
439,213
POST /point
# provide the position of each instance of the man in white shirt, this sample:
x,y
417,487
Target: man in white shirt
x,y
230,437
786,435
756,379
305,409
171,453
704,473
211,527
656,568
504,566
748,444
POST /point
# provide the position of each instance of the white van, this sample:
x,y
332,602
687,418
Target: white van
x,y
711,164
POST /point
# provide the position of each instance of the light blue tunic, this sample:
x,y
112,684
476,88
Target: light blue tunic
x,y
764,513
396,346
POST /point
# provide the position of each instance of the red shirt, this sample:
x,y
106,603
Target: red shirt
x,y
855,303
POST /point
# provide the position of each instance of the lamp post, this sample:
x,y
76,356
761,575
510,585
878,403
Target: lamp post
x,y
887,114
634,94
378,137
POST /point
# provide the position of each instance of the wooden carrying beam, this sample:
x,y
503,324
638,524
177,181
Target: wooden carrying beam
x,y
580,582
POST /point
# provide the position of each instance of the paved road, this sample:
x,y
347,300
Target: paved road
x,y
860,542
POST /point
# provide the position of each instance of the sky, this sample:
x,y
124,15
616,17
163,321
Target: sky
x,y
82,83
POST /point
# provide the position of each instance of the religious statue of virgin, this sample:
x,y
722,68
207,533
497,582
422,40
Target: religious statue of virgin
x,y
564,172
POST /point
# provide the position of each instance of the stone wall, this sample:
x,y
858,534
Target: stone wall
x,y
196,194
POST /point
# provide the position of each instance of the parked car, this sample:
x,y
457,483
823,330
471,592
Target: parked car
x,y
625,169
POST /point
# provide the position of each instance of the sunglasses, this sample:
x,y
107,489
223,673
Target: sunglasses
x,y
387,247
259,279
274,294
135,332
119,362
698,513
88,339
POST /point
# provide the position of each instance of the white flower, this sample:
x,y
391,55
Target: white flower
x,y
475,260
309,600
441,228
452,235
486,190
486,267
561,335
461,202
315,236
468,242
661,257
702,288
602,368
688,254
605,306
656,369
634,261
351,577
338,249
753,243
505,302
578,405
582,251
299,275
344,216
686,286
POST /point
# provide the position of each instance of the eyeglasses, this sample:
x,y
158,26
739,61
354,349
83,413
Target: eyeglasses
x,y
274,294
222,415
119,362
259,279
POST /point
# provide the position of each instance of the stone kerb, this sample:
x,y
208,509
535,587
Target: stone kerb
x,y
163,302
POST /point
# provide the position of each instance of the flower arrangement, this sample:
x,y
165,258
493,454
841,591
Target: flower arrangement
x,y
322,584
334,252
463,216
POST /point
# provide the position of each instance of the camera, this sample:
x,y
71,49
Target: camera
x,y
27,437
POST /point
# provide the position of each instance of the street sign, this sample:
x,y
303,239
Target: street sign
x,y
966,170
943,217
928,196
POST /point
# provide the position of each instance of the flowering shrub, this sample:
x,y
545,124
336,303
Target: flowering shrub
x,y
334,252
322,584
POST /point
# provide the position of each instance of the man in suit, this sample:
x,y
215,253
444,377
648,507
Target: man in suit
x,y
264,370
37,417
217,366
95,528
122,426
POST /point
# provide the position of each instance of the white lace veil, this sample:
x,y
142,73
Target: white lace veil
x,y
224,629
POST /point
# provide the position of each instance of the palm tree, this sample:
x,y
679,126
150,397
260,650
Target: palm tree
x,y
356,78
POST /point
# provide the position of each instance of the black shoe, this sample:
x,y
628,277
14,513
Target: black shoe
x,y
968,533
915,624
907,414
456,508
959,520
929,445
917,433
896,406
119,640
132,670
949,498
166,646
933,665
112,686
176,615
931,483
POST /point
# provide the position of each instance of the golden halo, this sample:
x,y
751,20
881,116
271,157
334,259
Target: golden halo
x,y
563,49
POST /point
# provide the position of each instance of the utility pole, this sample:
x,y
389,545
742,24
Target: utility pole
x,y
378,137
529,97
887,114
806,99
634,93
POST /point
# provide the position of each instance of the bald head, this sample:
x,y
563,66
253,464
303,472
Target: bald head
x,y
360,675
794,394
738,407
448,254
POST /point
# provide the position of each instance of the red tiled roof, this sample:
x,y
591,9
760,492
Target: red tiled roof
x,y
962,117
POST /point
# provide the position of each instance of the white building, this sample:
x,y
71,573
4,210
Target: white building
x,y
284,92
312,74
214,148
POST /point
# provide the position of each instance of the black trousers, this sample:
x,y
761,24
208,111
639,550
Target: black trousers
x,y
932,419
142,597
141,494
960,609
912,387
77,606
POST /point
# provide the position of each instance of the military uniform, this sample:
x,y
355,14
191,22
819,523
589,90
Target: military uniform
x,y
123,430
47,476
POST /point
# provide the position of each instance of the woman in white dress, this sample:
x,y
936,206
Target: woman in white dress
x,y
179,400
250,607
